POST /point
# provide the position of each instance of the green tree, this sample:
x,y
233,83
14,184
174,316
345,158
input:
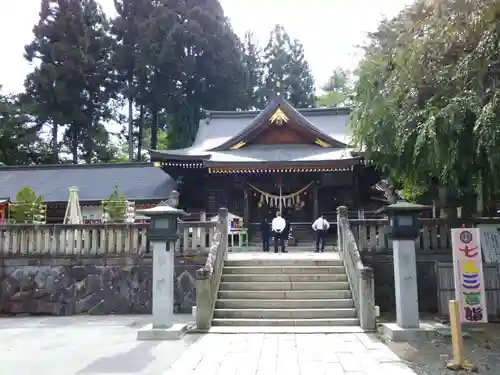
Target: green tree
x,y
19,134
426,107
115,206
337,91
252,57
72,85
286,67
213,73
28,207
132,16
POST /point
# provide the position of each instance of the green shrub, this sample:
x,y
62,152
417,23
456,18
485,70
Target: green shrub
x,y
28,207
115,206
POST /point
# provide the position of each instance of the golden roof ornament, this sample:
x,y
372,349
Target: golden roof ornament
x,y
278,117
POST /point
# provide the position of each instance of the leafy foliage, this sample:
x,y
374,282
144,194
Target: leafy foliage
x,y
427,106
28,207
72,86
286,70
337,91
115,206
19,140
165,59
252,57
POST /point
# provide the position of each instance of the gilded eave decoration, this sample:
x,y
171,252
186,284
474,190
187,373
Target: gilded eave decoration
x,y
278,118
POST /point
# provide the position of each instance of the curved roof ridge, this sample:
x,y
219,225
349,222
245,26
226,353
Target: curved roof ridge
x,y
273,105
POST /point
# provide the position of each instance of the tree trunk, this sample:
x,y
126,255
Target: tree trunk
x,y
139,136
55,148
154,127
130,122
74,147
87,143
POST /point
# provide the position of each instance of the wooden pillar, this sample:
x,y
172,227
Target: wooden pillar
x,y
246,209
315,201
355,181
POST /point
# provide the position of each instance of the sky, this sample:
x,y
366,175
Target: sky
x,y
330,30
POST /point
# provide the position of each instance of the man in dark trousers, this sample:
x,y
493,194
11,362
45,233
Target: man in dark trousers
x,y
320,227
265,231
278,227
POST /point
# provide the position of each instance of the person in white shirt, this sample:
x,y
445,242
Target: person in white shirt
x,y
278,227
320,227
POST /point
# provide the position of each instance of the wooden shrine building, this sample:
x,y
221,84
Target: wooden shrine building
x,y
255,163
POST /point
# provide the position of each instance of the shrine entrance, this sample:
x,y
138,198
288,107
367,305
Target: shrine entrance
x,y
287,193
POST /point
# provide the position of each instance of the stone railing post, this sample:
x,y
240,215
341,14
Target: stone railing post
x,y
367,314
223,218
341,213
208,278
203,300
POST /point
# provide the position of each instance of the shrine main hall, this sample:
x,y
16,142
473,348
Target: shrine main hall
x,y
297,161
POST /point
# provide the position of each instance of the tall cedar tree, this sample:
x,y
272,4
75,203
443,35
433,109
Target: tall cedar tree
x,y
337,91
72,84
285,67
201,67
252,56
127,29
159,62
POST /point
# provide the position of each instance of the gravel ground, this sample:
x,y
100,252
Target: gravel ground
x,y
482,348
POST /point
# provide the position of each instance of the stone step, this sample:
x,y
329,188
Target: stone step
x,y
284,270
344,303
268,277
287,322
284,313
285,286
285,294
288,330
276,262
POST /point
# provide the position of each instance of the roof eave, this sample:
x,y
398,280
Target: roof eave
x,y
281,164
163,156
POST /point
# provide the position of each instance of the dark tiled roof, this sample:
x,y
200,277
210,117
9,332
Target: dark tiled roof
x,y
137,181
219,127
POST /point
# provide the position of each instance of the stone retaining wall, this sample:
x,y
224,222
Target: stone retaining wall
x,y
383,268
70,285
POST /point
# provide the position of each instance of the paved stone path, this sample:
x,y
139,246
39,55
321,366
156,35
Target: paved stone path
x,y
107,345
289,354
83,345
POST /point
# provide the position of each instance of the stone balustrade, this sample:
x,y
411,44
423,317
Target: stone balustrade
x,y
83,239
95,239
208,277
360,277
372,234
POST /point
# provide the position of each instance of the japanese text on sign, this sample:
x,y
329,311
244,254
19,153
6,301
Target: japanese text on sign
x,y
468,271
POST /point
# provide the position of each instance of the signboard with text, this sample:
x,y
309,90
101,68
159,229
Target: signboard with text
x,y
468,272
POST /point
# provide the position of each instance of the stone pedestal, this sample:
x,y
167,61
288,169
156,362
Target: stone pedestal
x,y
405,280
163,297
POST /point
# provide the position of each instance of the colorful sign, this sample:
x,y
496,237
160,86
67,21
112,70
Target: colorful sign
x,y
469,278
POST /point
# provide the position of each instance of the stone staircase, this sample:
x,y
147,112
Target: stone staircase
x,y
284,290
